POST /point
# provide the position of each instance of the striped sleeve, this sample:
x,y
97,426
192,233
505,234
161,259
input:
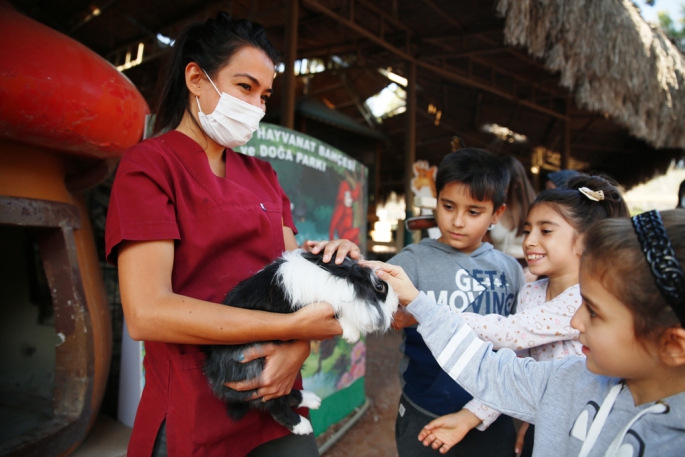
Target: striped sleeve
x,y
500,380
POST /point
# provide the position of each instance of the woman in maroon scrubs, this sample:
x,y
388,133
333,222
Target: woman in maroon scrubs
x,y
188,219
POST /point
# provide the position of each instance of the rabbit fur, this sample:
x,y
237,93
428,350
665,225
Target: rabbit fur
x,y
363,303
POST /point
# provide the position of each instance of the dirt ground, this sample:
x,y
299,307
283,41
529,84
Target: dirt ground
x,y
374,434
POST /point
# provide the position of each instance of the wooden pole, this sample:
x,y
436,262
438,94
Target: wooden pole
x,y
289,81
566,151
410,144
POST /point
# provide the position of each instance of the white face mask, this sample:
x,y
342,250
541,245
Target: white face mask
x,y
232,122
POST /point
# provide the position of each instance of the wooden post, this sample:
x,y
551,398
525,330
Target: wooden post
x,y
410,145
566,151
289,81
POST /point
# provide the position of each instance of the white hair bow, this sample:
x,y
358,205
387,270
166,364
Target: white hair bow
x,y
591,194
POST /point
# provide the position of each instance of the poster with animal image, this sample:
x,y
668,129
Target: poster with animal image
x,y
327,191
326,187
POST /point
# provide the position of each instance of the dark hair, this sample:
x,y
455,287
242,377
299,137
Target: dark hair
x,y
614,255
482,171
211,45
681,194
579,210
520,193
562,177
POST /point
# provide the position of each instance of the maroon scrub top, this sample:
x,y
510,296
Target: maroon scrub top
x,y
224,230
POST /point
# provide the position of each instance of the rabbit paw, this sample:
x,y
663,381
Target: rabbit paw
x,y
309,400
350,333
303,428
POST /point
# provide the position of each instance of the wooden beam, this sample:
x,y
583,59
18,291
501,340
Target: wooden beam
x,y
473,33
386,17
323,90
519,54
346,104
433,140
410,143
443,14
512,117
548,132
289,81
470,139
476,112
361,105
446,73
566,151
463,54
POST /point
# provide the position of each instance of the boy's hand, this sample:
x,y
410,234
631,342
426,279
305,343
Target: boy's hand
x,y
343,248
397,278
520,437
402,319
446,431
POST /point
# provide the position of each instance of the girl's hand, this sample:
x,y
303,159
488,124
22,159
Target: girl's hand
x,y
343,248
316,321
446,431
397,278
402,319
283,363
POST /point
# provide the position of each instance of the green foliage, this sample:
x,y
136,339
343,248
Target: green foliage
x,y
674,30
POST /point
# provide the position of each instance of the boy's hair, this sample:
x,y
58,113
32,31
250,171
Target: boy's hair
x,y
578,209
482,171
614,255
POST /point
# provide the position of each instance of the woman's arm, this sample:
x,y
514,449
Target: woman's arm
x,y
155,313
289,239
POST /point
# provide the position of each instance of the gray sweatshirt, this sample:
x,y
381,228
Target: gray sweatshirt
x,y
575,412
484,281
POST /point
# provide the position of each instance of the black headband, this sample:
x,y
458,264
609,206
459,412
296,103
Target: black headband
x,y
661,258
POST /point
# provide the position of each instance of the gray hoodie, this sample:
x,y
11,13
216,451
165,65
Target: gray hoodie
x,y
575,412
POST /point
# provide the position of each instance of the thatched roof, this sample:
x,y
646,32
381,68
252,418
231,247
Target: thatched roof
x,y
610,57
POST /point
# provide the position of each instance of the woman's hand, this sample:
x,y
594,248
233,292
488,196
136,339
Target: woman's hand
x,y
396,277
446,431
283,363
343,248
315,322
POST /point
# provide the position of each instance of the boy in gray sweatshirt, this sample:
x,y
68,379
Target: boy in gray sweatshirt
x,y
461,273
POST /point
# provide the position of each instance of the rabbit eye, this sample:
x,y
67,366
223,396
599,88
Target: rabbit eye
x,y
380,286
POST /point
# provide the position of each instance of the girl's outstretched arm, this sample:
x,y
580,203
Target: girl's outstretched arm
x,y
500,379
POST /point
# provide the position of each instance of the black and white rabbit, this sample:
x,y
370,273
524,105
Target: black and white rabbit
x,y
363,303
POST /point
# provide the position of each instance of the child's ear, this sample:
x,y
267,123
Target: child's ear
x,y
579,245
497,214
672,347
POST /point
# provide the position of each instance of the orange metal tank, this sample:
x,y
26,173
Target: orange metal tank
x,y
66,116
